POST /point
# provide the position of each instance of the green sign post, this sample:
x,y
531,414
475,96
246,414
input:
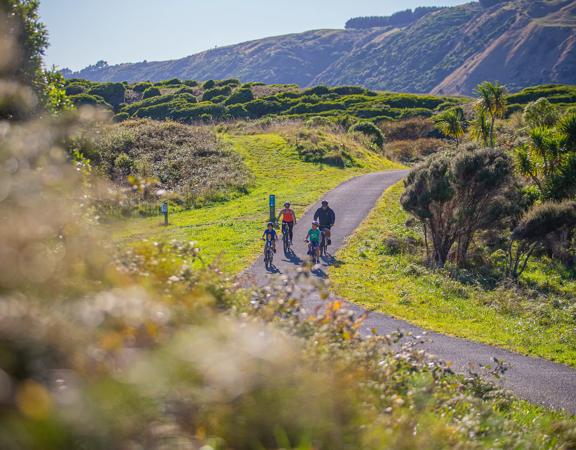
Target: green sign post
x,y
272,203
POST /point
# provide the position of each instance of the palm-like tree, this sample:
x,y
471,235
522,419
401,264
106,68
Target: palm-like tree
x,y
480,127
493,102
452,124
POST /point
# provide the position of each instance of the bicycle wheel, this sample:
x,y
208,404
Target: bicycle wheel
x,y
267,257
286,242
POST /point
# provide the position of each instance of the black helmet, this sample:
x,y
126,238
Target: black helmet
x,y
270,224
287,204
324,202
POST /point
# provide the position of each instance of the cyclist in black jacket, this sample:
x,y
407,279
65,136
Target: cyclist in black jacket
x,y
326,216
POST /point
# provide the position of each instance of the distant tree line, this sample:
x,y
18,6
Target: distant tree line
x,y
401,18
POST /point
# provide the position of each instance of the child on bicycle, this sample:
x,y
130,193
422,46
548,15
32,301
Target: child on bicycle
x,y
289,219
313,237
270,236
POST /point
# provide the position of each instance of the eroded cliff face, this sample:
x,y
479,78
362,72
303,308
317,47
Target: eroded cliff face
x,y
539,46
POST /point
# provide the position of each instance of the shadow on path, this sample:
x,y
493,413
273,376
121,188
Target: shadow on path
x,y
293,258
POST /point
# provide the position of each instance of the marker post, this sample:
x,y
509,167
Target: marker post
x,y
272,204
164,210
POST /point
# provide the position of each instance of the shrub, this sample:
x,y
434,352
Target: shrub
x,y
172,82
123,163
112,93
210,84
411,151
189,161
317,90
259,108
232,82
190,83
349,90
370,130
151,92
413,128
186,90
216,92
534,227
456,196
243,95
141,87
541,113
203,111
319,121
237,111
75,89
87,99
545,219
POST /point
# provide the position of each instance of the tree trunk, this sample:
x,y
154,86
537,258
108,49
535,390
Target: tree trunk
x,y
426,242
492,131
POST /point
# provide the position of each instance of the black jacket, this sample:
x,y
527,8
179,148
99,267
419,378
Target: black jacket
x,y
326,217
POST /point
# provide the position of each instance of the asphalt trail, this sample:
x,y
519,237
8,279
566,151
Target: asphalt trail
x,y
534,379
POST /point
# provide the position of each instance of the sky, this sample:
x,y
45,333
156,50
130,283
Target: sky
x,y
83,32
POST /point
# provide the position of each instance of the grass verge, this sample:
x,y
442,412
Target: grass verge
x,y
536,318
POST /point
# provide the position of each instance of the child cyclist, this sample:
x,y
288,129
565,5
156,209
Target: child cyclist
x,y
289,219
270,236
313,237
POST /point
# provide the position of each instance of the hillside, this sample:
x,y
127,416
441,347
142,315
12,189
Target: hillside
x,y
189,101
450,50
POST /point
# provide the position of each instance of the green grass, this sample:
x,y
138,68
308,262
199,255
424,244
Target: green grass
x,y
536,318
230,231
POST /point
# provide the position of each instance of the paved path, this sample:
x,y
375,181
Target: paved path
x,y
534,379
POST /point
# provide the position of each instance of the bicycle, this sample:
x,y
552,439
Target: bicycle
x,y
324,242
268,254
286,238
323,245
312,251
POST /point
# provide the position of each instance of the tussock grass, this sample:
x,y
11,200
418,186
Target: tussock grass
x,y
192,163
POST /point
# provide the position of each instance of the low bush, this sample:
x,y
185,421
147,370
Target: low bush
x,y
186,90
413,151
112,93
87,99
370,130
141,87
243,95
317,90
75,89
349,90
414,128
232,82
216,92
190,162
151,92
